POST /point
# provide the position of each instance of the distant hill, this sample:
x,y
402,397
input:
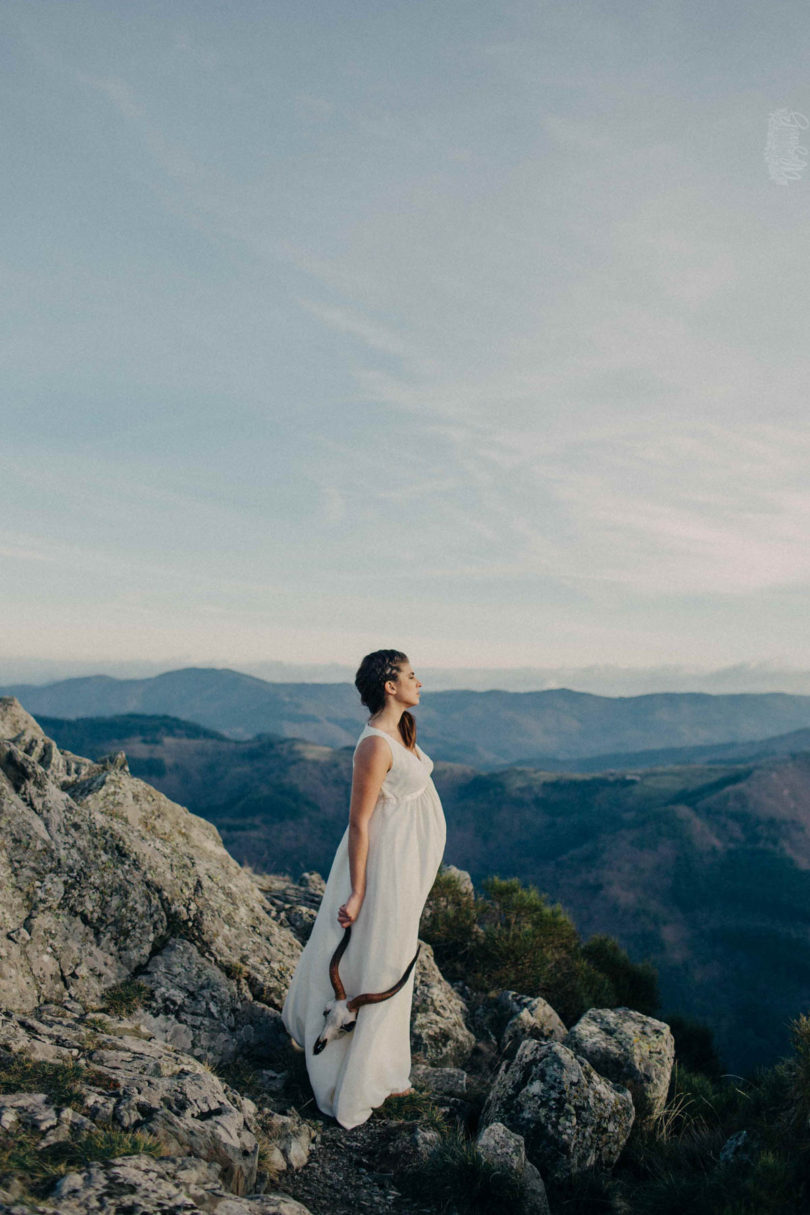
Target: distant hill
x,y
703,867
794,743
486,729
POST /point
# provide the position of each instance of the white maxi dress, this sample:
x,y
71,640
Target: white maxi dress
x,y
357,1071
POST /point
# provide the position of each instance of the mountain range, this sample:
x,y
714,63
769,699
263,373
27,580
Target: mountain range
x,y
701,865
488,729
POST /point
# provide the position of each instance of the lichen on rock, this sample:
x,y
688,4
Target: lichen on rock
x,y
570,1117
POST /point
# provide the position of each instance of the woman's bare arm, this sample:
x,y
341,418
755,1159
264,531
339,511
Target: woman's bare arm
x,y
371,765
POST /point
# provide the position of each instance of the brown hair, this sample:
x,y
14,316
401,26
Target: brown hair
x,y
372,674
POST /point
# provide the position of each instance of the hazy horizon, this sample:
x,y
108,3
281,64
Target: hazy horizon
x,y
478,327
605,680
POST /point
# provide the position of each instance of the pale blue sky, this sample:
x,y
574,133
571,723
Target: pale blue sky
x,y
477,329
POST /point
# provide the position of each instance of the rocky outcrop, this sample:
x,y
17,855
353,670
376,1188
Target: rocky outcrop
x,y
135,1084
100,872
168,1186
194,1006
138,957
571,1118
296,903
440,1081
630,1049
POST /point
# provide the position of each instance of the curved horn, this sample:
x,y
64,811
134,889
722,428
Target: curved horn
x,y
375,997
334,974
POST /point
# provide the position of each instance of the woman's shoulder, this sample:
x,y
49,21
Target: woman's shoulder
x,y
371,747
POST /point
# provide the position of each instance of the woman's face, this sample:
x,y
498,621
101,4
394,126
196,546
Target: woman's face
x,y
407,685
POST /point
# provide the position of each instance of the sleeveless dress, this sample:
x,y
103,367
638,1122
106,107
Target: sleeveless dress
x,y
357,1071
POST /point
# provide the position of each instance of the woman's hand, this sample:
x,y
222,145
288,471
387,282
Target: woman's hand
x,y
350,910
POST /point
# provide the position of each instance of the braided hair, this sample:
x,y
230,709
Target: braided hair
x,y
372,674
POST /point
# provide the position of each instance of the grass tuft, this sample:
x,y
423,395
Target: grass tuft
x,y
59,1081
39,1168
123,998
413,1107
456,1177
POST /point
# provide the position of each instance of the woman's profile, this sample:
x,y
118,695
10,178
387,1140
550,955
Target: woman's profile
x,y
380,878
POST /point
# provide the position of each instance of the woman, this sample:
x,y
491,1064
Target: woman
x,y
380,878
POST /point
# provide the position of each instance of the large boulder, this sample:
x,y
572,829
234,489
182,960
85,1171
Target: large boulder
x,y
439,1033
631,1049
570,1117
99,872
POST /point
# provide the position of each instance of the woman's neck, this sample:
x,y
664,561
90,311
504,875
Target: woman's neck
x,y
391,724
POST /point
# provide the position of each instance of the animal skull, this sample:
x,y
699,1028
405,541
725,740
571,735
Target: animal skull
x,y
341,1014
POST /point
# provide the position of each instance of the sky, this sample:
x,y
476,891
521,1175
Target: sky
x,y
478,330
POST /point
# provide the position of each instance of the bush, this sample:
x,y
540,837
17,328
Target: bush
x,y
677,1166
513,938
694,1046
449,923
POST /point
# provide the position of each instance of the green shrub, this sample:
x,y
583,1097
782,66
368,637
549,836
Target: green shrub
x,y
635,984
800,1037
449,923
676,1166
511,937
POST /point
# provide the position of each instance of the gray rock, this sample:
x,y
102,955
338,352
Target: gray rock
x,y
166,1186
738,1149
144,1085
313,882
100,871
502,1148
535,1198
441,1081
461,877
195,1007
34,1111
425,1141
439,1034
507,1151
295,903
632,1050
288,1139
570,1117
529,1017
302,921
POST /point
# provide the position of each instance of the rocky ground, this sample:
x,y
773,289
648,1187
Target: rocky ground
x,y
144,1067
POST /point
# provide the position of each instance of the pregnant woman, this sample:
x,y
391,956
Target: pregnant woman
x,y
380,878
